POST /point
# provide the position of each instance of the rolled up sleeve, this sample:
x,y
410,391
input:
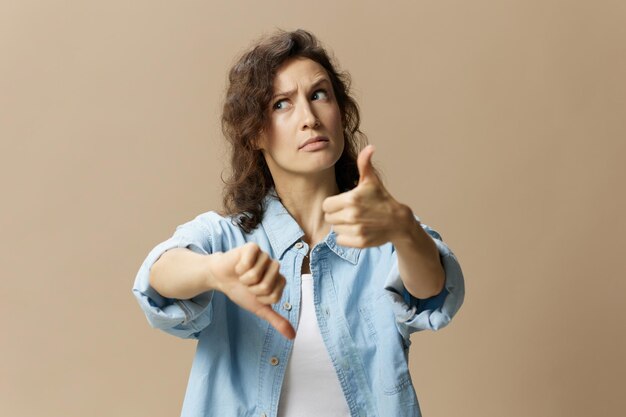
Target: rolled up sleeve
x,y
414,314
182,318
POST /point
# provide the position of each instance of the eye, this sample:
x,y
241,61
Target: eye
x,y
278,106
324,94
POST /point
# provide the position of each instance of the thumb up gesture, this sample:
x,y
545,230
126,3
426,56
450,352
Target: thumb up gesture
x,y
367,215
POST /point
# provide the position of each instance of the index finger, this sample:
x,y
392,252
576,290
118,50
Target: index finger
x,y
337,202
277,321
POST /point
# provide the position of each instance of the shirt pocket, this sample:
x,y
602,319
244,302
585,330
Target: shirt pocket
x,y
390,360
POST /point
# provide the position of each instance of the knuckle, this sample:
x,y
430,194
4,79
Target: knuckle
x,y
248,264
252,248
263,255
258,275
264,288
252,278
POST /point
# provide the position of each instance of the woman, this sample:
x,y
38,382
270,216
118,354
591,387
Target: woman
x,y
304,292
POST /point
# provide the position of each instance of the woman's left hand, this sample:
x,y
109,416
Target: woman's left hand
x,y
367,215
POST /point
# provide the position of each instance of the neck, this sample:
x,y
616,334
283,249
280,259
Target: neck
x,y
303,198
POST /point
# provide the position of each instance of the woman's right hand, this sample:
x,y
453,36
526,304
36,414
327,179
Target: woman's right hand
x,y
250,278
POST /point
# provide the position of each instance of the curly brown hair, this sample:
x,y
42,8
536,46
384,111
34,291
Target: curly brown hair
x,y
244,115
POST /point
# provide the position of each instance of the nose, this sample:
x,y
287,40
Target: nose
x,y
309,119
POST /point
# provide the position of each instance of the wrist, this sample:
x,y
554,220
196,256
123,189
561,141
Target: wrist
x,y
406,226
210,281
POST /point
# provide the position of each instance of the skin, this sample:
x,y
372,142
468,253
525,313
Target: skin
x,y
368,215
365,216
303,106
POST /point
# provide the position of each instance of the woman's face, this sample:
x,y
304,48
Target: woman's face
x,y
303,107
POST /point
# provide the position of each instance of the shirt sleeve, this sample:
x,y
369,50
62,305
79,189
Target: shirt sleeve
x,y
414,314
182,318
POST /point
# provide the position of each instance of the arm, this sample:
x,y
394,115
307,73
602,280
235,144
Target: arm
x,y
175,285
419,264
183,274
425,285
184,317
433,313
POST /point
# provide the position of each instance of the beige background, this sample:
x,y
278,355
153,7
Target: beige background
x,y
501,123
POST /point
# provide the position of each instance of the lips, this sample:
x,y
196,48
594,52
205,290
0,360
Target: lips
x,y
313,140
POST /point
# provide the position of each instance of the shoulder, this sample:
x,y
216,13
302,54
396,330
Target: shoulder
x,y
219,231
207,221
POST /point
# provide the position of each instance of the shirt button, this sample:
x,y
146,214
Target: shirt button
x,y
287,306
274,361
299,245
263,415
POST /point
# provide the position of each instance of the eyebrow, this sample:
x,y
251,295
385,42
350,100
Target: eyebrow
x,y
290,92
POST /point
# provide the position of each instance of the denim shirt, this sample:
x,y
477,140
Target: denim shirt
x,y
364,313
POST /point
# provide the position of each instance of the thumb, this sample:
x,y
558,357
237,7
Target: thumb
x,y
364,164
277,321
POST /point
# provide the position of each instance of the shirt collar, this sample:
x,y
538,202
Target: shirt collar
x,y
349,254
283,230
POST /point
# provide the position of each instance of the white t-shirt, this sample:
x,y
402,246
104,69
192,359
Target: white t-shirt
x,y
311,387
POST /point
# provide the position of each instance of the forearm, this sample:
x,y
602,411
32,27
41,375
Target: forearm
x,y
418,259
181,273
